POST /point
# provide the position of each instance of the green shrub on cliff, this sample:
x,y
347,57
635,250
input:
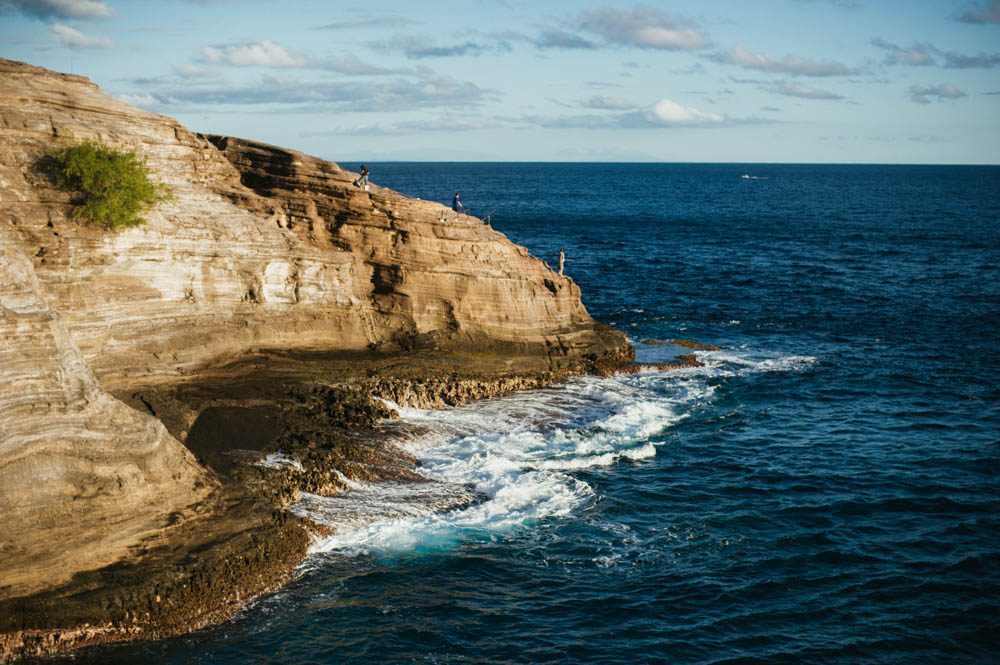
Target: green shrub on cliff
x,y
114,184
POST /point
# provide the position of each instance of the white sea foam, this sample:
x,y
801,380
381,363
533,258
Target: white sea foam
x,y
743,363
279,459
507,463
504,463
524,500
370,502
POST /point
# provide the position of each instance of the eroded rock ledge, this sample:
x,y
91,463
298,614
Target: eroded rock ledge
x,y
266,282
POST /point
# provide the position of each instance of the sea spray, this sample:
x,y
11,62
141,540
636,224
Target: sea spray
x,y
509,463
828,493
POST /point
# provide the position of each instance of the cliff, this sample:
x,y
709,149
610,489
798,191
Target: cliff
x,y
266,263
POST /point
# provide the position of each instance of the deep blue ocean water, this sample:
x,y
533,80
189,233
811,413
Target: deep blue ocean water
x,y
825,490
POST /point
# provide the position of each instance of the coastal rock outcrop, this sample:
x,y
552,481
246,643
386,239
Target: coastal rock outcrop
x,y
422,276
264,259
279,251
82,476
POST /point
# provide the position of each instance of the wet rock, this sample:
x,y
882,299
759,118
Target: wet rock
x,y
679,362
268,283
686,343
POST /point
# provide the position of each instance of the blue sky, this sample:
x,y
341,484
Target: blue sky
x,y
515,80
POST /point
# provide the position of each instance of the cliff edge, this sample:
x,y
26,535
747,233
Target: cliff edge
x,y
267,266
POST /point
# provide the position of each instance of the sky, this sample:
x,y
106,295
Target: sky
x,y
799,81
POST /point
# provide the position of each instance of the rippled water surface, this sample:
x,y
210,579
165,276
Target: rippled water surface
x,y
824,490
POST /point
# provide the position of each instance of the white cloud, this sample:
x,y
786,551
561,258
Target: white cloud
x,y
798,90
269,54
921,94
77,40
843,4
670,113
790,64
140,100
377,22
573,121
419,47
989,14
921,54
255,54
666,113
917,55
76,9
193,71
448,124
954,60
560,39
356,67
644,27
610,103
326,96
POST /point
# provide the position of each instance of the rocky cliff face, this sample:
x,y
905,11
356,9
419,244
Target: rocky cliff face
x,y
82,476
420,275
261,249
278,251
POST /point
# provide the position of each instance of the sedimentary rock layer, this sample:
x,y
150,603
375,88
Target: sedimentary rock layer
x,y
83,477
423,275
261,251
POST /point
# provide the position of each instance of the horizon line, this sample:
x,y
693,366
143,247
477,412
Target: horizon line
x,y
510,161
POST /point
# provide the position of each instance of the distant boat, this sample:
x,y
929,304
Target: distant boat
x,y
745,176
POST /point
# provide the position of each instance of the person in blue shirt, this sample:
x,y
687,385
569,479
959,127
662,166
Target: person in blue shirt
x,y
456,205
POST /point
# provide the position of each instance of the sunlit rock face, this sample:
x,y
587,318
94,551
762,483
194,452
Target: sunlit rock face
x,y
260,249
82,476
422,275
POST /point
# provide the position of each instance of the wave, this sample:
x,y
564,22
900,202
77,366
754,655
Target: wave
x,y
508,463
743,363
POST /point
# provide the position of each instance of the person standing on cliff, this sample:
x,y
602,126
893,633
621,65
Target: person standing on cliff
x,y
456,205
362,181
562,260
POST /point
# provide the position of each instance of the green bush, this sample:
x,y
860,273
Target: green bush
x,y
114,184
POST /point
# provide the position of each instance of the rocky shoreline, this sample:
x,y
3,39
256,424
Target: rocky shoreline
x,y
244,542
265,307
199,575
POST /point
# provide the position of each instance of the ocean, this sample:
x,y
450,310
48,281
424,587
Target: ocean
x,y
826,489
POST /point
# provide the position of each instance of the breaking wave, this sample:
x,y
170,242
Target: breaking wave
x,y
508,463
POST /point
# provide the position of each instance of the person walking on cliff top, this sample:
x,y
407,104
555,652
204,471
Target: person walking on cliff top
x,y
363,179
456,205
562,260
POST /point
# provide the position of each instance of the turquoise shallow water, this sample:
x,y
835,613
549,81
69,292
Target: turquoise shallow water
x,y
823,491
